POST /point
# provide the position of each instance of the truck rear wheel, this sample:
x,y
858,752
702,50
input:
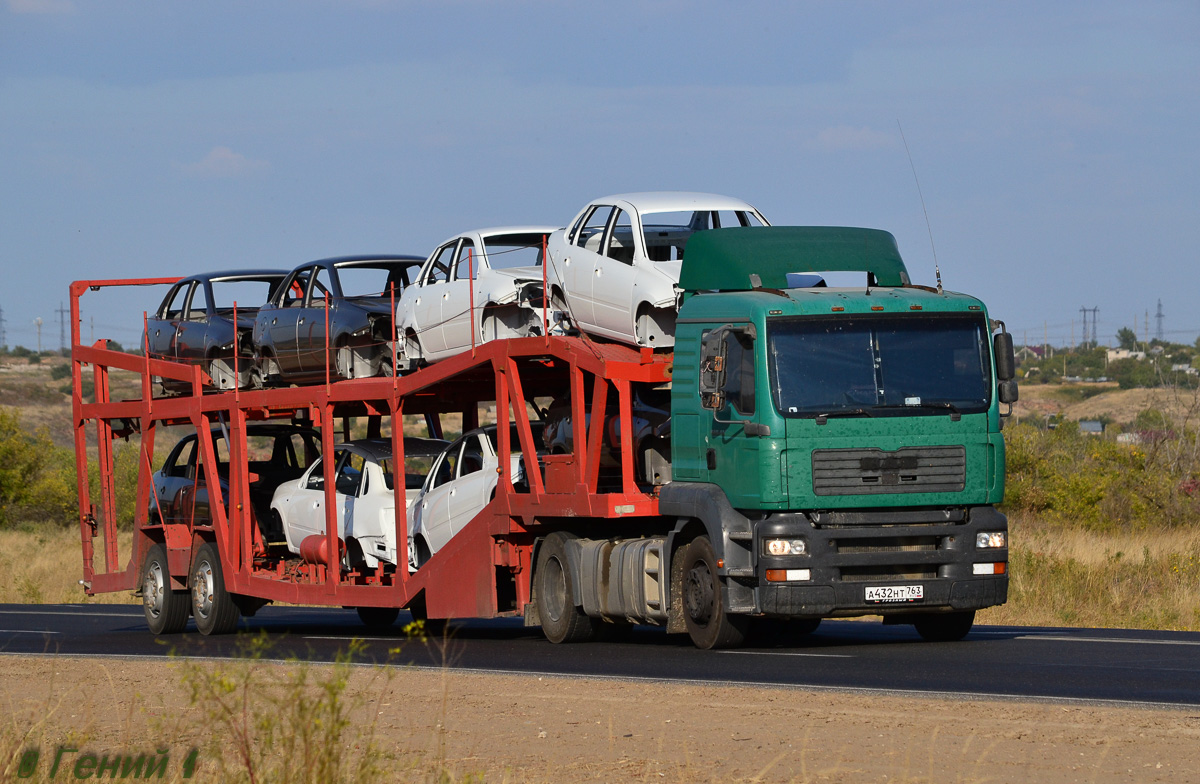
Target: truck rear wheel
x,y
561,620
212,606
945,627
166,610
708,623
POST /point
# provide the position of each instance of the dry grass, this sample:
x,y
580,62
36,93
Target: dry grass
x,y
1073,577
45,566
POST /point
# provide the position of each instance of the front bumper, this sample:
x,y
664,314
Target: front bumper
x,y
849,552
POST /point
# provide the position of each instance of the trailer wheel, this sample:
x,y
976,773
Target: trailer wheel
x,y
708,623
166,610
944,627
378,618
212,606
561,620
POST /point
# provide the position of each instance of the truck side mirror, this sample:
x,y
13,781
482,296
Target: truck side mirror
x,y
1006,359
712,369
1007,391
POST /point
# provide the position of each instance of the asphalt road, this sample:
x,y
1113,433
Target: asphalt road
x,y
1112,665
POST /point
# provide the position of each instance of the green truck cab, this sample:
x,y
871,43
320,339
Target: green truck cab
x,y
835,451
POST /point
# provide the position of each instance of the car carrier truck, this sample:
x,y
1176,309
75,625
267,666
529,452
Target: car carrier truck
x,y
832,452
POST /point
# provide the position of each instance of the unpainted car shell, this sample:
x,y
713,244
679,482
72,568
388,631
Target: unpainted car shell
x,y
180,492
435,314
608,280
461,482
290,330
206,335
366,508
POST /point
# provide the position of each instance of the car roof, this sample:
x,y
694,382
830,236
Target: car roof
x,y
495,230
241,274
354,261
676,201
381,448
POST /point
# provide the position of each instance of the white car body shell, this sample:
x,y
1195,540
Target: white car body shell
x,y
434,316
367,515
604,295
453,496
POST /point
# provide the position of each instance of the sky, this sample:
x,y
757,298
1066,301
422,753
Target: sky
x,y
1055,144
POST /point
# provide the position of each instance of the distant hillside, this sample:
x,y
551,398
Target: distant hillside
x,y
1101,400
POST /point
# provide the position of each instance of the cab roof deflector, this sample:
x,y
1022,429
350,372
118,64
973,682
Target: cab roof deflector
x,y
725,259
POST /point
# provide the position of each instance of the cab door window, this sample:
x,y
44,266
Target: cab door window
x,y
739,372
467,266
593,228
439,270
620,239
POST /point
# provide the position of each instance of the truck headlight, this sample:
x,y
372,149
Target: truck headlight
x,y
785,547
987,540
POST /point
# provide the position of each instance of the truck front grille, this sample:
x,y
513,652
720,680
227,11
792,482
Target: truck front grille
x,y
862,574
925,469
908,544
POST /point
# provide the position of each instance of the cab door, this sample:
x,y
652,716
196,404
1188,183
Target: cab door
x,y
281,326
426,309
163,325
473,484
456,298
581,263
614,275
431,510
310,323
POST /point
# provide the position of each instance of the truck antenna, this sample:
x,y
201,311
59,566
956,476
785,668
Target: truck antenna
x,y
936,270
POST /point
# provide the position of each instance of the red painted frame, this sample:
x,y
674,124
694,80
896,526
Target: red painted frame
x,y
461,579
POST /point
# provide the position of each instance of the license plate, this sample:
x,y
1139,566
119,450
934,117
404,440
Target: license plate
x,y
895,593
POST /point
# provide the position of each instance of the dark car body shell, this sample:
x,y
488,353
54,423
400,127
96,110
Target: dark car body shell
x,y
291,342
180,493
206,336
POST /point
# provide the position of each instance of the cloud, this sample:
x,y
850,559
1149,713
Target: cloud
x,y
222,162
843,137
41,6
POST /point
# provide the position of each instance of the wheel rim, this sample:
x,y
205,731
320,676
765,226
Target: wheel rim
x,y
154,590
555,589
202,589
698,594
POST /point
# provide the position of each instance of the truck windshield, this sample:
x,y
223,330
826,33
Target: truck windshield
x,y
879,365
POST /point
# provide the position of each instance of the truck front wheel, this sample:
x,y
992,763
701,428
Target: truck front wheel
x,y
561,620
166,610
944,627
212,606
708,623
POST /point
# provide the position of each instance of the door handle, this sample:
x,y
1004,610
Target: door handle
x,y
446,296
274,321
301,320
157,332
567,261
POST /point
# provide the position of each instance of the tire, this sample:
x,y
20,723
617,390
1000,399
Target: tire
x,y
708,624
945,627
166,610
561,620
378,618
434,627
212,606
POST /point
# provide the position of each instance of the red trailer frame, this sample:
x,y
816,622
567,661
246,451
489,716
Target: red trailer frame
x,y
484,571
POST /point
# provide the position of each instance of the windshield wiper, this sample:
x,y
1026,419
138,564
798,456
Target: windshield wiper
x,y
845,412
955,413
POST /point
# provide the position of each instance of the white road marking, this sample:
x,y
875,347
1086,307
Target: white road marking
x,y
1104,639
26,631
790,653
51,613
